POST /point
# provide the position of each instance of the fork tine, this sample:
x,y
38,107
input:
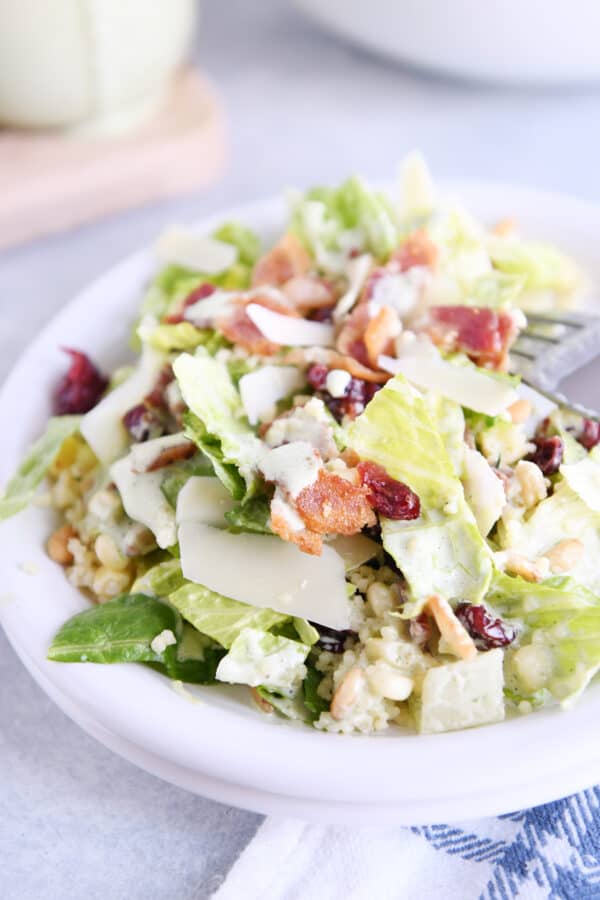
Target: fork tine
x,y
534,336
561,400
571,321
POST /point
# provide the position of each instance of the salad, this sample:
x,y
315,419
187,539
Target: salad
x,y
319,479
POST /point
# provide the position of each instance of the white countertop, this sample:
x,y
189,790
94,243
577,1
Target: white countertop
x,y
74,819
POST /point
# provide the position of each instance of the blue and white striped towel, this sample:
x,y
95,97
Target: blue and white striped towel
x,y
550,852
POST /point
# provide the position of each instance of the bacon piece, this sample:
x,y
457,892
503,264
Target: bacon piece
x,y
482,333
308,292
380,333
238,327
333,505
156,397
308,541
285,260
172,454
351,339
417,250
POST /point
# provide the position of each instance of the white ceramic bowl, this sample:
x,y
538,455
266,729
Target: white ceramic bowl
x,y
508,41
220,746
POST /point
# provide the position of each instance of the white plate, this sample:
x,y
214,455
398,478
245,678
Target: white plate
x,y
221,746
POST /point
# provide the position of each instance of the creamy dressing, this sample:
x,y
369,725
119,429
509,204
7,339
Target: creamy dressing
x,y
144,501
144,455
284,510
293,467
261,390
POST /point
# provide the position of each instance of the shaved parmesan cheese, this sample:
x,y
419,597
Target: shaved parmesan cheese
x,y
357,271
290,331
465,386
187,248
355,549
204,499
267,572
292,467
102,427
144,501
417,191
261,390
205,311
484,492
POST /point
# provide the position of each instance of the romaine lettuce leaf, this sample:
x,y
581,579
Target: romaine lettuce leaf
x,y
251,516
179,474
559,640
246,241
397,432
120,630
21,488
314,703
184,336
195,659
209,392
259,658
219,617
542,266
562,515
160,580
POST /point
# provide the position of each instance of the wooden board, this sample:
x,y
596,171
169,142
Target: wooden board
x,y
50,182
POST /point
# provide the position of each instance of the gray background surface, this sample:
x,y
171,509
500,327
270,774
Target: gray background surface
x,y
75,820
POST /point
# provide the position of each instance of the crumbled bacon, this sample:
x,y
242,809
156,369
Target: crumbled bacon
x,y
156,397
301,356
380,332
238,327
285,260
199,293
308,292
417,250
333,505
81,387
307,541
351,339
482,333
172,454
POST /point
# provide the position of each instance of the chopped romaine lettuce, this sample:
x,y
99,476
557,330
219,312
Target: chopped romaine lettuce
x,y
179,474
211,396
314,703
21,488
160,580
246,241
184,336
543,267
251,516
219,617
259,658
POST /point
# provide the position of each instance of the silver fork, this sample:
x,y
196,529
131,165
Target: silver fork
x,y
552,346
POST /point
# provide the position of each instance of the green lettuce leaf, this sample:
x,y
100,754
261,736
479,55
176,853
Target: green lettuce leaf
x,y
21,488
562,515
120,630
251,516
195,660
185,336
209,392
330,222
227,473
219,617
542,266
259,658
314,703
559,640
442,551
160,580
247,241
178,474
397,432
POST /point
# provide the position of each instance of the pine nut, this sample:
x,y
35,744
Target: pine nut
x,y
452,631
389,683
108,553
520,411
347,693
565,555
532,483
57,546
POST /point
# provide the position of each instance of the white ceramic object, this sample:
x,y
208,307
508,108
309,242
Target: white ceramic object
x,y
92,65
505,41
211,740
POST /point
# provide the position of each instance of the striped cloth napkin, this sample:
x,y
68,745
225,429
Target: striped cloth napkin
x,y
551,852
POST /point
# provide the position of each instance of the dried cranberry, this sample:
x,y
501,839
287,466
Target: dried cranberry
x,y
317,376
143,423
548,454
323,314
391,498
420,629
332,640
590,434
486,631
81,388
199,293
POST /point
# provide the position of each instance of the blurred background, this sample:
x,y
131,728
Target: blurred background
x,y
495,91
